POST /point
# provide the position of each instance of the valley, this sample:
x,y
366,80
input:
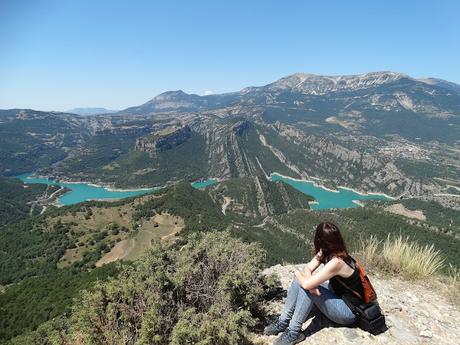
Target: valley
x,y
169,168
348,131
377,153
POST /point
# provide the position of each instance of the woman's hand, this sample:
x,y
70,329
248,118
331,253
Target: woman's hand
x,y
301,276
315,291
312,282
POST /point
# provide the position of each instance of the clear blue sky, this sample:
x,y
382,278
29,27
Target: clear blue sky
x,y
64,54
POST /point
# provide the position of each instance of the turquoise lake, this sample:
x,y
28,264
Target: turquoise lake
x,y
341,198
82,191
327,199
204,183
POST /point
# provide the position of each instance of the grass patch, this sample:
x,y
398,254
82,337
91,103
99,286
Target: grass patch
x,y
401,255
453,284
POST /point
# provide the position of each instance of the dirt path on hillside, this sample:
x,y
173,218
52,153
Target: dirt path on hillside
x,y
227,202
119,251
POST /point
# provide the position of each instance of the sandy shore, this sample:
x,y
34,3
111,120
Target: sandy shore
x,y
447,194
107,187
131,190
333,190
301,180
358,202
367,193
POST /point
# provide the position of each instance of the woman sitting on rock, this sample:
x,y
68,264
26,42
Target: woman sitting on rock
x,y
307,290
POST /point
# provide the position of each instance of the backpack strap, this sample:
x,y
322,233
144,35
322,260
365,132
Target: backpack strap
x,y
349,289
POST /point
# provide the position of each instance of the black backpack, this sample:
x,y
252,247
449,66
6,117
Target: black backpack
x,y
369,316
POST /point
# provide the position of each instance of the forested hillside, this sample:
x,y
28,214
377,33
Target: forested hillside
x,y
55,255
17,199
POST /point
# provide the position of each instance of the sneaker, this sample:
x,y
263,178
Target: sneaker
x,y
275,328
289,338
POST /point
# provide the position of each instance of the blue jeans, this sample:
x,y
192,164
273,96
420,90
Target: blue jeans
x,y
299,303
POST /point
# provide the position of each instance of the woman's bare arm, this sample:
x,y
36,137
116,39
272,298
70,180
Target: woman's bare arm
x,y
312,265
309,269
309,282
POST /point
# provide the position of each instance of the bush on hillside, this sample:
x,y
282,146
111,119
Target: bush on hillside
x,y
203,292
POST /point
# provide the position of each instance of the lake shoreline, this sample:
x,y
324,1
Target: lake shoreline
x,y
316,184
83,191
108,187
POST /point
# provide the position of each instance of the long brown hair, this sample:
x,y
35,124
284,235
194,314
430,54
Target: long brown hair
x,y
329,241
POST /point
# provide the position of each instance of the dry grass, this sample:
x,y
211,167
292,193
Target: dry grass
x,y
453,285
402,255
369,249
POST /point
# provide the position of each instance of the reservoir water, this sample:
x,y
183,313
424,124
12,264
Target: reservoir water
x,y
326,198
83,191
204,183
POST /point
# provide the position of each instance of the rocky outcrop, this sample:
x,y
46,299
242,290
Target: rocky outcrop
x,y
164,140
414,313
329,159
385,91
242,127
258,198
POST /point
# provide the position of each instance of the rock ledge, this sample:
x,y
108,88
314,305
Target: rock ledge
x,y
414,314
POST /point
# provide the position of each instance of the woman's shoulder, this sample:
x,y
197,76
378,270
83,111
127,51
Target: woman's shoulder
x,y
335,263
340,266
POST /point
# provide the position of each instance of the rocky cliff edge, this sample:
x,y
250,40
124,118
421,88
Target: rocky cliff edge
x,y
415,314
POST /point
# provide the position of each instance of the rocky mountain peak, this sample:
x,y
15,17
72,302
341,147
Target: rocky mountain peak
x,y
168,101
319,84
169,95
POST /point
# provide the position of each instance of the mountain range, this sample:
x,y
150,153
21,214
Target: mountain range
x,y
376,132
91,111
387,91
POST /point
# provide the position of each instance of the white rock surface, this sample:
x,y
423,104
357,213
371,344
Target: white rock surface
x,y
414,314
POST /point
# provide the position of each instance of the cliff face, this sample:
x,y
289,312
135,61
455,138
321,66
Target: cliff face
x,y
164,140
248,148
414,313
255,197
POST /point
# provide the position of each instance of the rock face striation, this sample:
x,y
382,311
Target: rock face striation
x,y
414,314
164,140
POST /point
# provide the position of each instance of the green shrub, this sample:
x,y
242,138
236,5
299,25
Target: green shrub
x,y
200,292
